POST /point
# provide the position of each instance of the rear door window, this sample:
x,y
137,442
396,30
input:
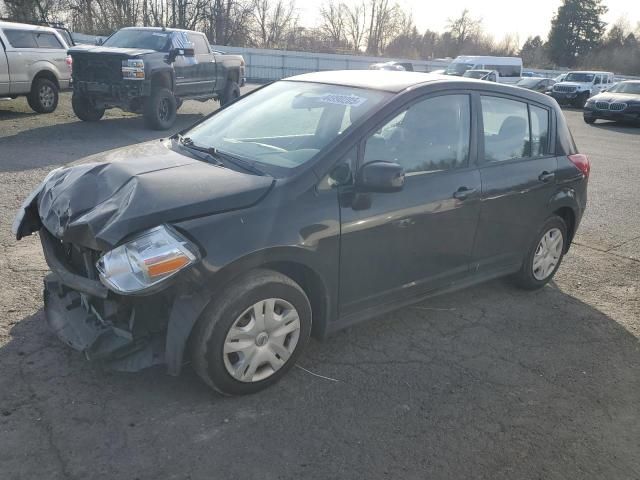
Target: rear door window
x,y
514,129
506,129
21,38
47,40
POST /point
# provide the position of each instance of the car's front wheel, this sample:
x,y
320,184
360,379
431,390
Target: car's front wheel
x,y
252,333
544,255
85,109
231,93
589,120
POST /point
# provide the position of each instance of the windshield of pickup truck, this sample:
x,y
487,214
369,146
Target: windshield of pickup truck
x,y
285,124
143,39
458,68
579,77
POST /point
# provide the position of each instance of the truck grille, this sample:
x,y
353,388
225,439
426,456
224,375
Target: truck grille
x,y
564,88
97,68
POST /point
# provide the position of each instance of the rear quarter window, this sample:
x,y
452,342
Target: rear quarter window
x,y
21,38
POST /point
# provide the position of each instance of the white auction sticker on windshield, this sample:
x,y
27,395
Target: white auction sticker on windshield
x,y
340,99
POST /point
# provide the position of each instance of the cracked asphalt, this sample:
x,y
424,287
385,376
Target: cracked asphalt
x,y
490,382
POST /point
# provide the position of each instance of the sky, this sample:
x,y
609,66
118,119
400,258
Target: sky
x,y
499,17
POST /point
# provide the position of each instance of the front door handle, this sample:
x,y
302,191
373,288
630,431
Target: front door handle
x,y
463,193
546,176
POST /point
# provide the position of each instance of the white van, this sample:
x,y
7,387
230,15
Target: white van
x,y
509,68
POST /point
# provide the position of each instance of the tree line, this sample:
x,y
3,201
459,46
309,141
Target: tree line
x,y
578,38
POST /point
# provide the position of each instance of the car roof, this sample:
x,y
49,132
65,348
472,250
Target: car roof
x,y
26,26
590,72
387,80
159,29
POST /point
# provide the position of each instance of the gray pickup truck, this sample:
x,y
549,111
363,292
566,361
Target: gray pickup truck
x,y
151,71
33,63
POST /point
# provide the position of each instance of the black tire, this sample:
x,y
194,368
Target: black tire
x,y
208,337
526,278
589,120
43,97
231,93
160,109
179,103
85,109
582,99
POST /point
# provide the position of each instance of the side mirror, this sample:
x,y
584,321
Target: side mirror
x,y
380,177
181,52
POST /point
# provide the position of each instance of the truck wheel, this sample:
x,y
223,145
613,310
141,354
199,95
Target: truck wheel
x,y
160,109
252,333
43,97
85,109
231,93
582,99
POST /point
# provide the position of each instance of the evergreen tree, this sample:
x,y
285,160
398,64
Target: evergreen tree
x,y
576,29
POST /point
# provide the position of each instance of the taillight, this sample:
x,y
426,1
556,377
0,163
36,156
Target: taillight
x,y
69,61
582,162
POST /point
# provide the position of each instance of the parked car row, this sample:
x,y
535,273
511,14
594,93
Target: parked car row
x,y
143,70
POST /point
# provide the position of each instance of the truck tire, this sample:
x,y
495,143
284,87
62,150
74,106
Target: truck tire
x,y
231,93
85,109
43,97
160,109
582,99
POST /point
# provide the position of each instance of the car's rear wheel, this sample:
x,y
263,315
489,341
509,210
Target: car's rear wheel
x,y
252,334
160,109
544,255
231,93
43,97
85,108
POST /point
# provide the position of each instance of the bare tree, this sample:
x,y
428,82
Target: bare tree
x,y
384,21
332,22
228,21
464,28
273,22
355,24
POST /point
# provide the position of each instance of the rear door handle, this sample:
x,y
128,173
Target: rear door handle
x,y
463,193
546,176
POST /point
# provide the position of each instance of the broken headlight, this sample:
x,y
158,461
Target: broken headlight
x,y
146,260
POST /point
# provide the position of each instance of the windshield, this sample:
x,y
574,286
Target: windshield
x,y
458,68
143,39
632,88
528,82
579,77
285,124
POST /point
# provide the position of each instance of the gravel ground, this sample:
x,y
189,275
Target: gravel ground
x,y
489,382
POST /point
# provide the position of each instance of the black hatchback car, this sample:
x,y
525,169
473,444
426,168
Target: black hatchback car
x,y
302,208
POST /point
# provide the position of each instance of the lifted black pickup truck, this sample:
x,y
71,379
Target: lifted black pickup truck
x,y
151,71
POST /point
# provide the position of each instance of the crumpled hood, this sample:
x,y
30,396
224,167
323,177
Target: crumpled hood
x,y
129,52
128,190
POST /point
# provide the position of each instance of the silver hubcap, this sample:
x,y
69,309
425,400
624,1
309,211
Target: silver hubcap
x,y
46,96
547,254
261,340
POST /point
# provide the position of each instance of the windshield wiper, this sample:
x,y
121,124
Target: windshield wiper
x,y
216,155
187,143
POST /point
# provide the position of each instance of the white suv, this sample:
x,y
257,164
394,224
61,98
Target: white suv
x,y
34,63
578,87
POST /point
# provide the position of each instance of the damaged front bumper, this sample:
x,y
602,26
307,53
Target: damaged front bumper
x,y
127,333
